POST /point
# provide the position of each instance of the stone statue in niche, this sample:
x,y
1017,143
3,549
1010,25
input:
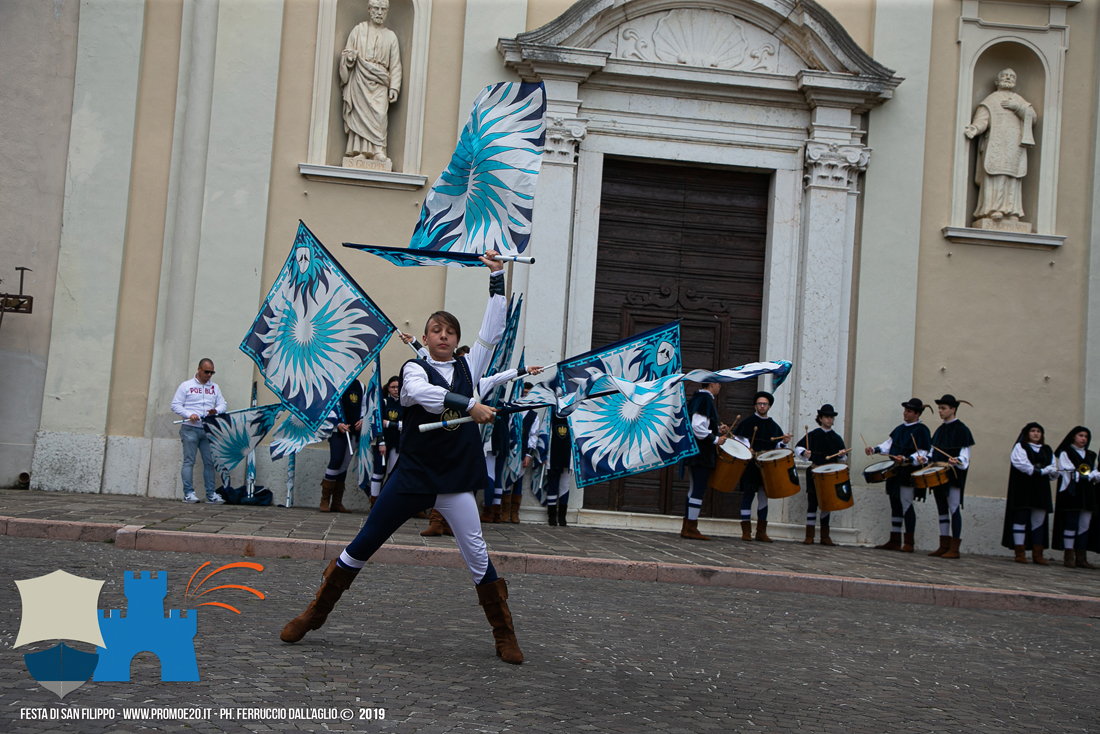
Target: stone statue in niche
x,y
370,74
1007,121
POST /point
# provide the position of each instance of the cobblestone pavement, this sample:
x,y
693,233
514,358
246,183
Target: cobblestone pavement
x,y
613,656
853,562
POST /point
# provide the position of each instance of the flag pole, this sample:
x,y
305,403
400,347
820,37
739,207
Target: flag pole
x,y
290,479
251,476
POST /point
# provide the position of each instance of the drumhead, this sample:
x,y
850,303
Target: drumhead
x,y
736,449
774,455
829,468
879,466
928,470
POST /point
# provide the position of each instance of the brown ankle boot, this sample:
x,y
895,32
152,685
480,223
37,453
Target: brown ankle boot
x,y
1083,559
496,514
746,530
825,539
494,600
945,543
762,531
1021,554
327,485
893,544
1069,558
690,530
338,498
337,581
506,508
907,543
373,499
953,548
810,530
1037,555
515,507
435,525
487,513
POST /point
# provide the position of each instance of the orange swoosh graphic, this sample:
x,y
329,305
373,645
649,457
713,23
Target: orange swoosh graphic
x,y
219,604
193,578
235,586
238,564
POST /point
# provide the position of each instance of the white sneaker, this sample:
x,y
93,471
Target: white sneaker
x,y
215,500
190,498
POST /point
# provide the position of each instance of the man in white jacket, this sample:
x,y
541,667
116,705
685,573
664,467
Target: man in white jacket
x,y
194,399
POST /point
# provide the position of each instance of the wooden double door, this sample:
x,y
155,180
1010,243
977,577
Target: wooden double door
x,y
688,243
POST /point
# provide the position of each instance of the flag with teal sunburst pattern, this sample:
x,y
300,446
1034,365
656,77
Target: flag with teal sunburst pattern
x,y
233,436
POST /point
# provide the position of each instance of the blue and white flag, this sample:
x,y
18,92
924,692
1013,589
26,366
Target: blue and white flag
x,y
233,436
612,436
315,332
293,435
372,424
502,352
517,443
403,257
483,199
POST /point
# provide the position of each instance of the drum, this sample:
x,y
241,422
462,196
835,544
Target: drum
x,y
930,477
733,457
834,488
880,471
777,470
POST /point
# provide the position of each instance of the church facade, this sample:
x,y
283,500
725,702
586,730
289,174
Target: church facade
x,y
788,179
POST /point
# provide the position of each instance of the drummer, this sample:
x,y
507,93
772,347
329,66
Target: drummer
x,y
760,433
820,446
708,434
951,442
912,442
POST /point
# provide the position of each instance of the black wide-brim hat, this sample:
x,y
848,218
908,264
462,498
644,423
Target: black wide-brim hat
x,y
826,410
915,405
949,400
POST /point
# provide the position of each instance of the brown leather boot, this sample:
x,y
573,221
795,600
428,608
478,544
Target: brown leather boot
x,y
1037,555
338,498
337,581
506,508
1083,559
907,543
746,530
373,499
494,599
1069,558
690,530
515,507
487,514
825,539
1021,554
435,525
327,485
945,543
893,544
762,531
953,548
496,513
810,530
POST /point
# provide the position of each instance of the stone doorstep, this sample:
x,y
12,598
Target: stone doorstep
x,y
135,537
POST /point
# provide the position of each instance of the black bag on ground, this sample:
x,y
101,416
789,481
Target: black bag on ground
x,y
239,496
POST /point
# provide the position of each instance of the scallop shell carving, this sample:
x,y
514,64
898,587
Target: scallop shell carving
x,y
699,38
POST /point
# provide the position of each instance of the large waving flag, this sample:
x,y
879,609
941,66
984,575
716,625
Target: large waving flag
x,y
233,436
315,332
612,436
483,200
517,442
293,435
372,424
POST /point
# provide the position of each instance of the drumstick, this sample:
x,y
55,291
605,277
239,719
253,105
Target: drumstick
x,y
753,439
949,456
838,453
864,441
729,429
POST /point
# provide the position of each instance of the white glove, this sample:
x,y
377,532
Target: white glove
x,y
1094,476
1049,471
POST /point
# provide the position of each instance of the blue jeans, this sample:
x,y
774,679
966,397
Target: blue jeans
x,y
195,439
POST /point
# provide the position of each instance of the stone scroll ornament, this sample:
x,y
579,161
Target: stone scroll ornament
x,y
316,331
483,200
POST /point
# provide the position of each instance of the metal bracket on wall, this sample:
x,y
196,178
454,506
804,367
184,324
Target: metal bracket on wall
x,y
13,303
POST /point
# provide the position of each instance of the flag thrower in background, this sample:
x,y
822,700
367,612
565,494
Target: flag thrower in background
x,y
316,331
502,357
484,198
233,436
372,424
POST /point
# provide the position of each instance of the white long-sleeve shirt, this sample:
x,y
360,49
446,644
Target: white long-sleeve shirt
x,y
1067,468
417,390
194,398
1020,461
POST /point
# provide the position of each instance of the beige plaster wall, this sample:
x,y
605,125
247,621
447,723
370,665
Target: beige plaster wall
x,y
339,213
541,12
975,303
38,50
857,17
137,311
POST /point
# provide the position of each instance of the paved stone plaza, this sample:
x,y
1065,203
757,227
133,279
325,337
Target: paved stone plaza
x,y
601,656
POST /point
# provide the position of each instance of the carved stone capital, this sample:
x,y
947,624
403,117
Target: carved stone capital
x,y
562,136
834,166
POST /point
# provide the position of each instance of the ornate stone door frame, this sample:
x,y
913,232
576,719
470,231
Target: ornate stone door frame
x,y
804,127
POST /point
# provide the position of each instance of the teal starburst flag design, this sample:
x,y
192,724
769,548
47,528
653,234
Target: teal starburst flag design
x,y
293,435
483,200
517,443
372,424
502,357
612,436
233,436
315,332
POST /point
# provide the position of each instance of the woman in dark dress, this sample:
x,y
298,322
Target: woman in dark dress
x,y
1028,501
1077,497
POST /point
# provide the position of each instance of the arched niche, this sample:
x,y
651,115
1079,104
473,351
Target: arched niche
x,y
1031,85
1037,54
410,21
